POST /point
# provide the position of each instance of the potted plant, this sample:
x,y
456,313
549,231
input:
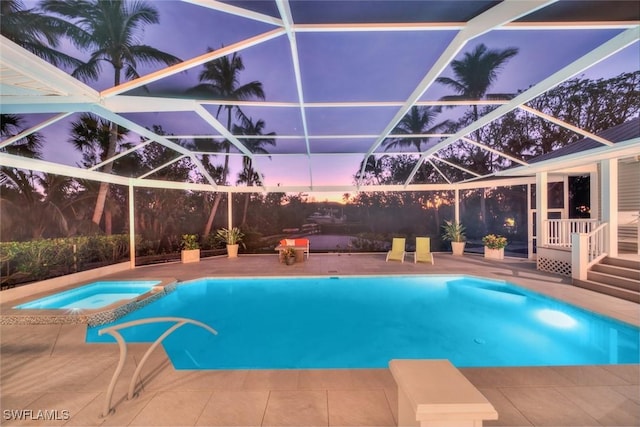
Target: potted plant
x,y
232,237
289,256
190,248
494,246
454,232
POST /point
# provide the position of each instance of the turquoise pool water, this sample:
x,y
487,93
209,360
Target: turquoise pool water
x,y
357,322
92,296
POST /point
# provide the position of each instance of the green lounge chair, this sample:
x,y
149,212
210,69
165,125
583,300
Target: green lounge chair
x,y
423,250
397,250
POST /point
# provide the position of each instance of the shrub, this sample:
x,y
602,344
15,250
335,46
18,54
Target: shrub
x,y
231,236
493,241
453,231
45,258
190,242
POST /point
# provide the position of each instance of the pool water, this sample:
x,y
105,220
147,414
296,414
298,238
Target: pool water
x,y
92,296
363,322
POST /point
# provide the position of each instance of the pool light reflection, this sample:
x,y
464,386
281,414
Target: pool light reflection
x,y
556,318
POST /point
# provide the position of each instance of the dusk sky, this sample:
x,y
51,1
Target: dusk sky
x,y
353,66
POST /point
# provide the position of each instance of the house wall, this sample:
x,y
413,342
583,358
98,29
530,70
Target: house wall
x,y
628,204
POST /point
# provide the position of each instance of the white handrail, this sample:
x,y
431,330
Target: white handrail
x,y
587,249
557,232
596,242
114,332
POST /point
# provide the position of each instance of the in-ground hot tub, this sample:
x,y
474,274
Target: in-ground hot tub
x,y
92,296
92,303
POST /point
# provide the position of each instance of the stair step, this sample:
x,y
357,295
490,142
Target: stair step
x,y
622,262
629,273
613,280
613,291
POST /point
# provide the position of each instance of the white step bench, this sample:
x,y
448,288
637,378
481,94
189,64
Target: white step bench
x,y
433,393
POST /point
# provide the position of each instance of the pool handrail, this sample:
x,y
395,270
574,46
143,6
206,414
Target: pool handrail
x,y
122,345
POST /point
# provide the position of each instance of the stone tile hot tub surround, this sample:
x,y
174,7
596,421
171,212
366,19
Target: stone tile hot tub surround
x,y
94,317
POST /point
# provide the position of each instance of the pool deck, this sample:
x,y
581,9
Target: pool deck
x,y
49,367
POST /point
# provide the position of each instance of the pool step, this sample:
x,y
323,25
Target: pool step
x,y
614,276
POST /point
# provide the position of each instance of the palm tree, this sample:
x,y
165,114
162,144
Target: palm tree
x,y
219,80
112,30
417,121
29,146
91,135
475,73
38,33
374,166
256,145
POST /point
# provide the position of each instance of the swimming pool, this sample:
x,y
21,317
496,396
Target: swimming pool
x,y
92,296
358,322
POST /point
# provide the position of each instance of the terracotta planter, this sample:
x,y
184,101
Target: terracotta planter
x,y
458,248
493,253
190,255
232,251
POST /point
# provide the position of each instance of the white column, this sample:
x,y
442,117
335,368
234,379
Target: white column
x,y
579,255
132,231
529,224
565,197
594,195
542,202
457,206
609,191
229,210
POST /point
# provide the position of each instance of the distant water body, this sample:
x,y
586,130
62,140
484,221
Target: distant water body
x,y
329,242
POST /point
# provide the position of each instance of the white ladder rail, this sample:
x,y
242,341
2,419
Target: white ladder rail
x,y
114,332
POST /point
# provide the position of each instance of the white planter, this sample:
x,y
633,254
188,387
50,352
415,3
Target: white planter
x,y
493,253
190,255
457,248
232,251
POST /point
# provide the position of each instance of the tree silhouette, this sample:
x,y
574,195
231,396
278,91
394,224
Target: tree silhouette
x,y
419,120
36,32
219,80
111,29
475,73
256,145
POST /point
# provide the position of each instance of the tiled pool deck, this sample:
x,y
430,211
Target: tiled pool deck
x,y
49,367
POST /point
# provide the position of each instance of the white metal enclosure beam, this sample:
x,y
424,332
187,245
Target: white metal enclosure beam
x,y
33,129
500,14
603,51
141,130
287,18
188,64
566,125
235,10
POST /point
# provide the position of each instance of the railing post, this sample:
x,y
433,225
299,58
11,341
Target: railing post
x,y
114,332
579,255
106,410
